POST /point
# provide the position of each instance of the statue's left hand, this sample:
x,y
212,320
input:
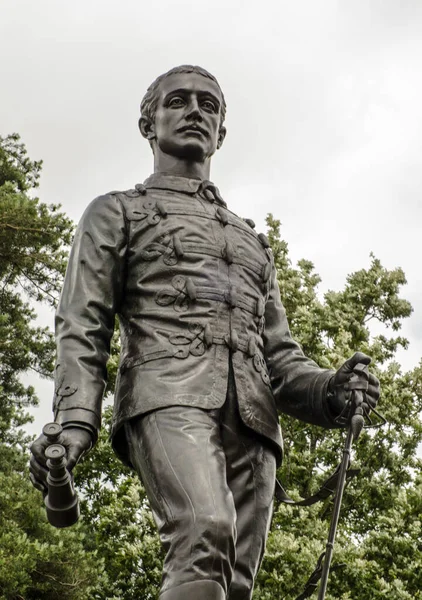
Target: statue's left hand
x,y
338,386
76,441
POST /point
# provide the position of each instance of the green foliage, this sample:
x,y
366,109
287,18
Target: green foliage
x,y
379,533
16,168
34,239
37,562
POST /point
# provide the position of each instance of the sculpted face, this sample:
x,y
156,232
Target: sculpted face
x,y
187,120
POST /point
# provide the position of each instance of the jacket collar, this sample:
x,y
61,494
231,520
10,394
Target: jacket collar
x,y
174,183
207,189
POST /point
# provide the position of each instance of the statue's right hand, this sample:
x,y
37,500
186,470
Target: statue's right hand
x,y
76,441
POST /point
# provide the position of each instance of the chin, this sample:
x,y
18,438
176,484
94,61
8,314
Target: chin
x,y
191,151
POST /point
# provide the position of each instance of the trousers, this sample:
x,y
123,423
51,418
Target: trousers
x,y
210,483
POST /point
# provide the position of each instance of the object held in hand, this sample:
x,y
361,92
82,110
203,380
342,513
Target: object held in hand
x,y
357,411
61,501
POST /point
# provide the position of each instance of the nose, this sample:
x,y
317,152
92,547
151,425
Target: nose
x,y
194,111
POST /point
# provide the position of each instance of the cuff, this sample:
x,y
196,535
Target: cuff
x,y
320,393
79,417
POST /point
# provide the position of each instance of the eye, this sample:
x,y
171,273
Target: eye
x,y
176,102
209,105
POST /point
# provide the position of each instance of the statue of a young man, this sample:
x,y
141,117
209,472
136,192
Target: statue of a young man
x,y
206,360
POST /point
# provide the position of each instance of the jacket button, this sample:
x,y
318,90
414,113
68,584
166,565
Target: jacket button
x,y
250,222
208,335
266,272
177,245
190,289
228,253
209,195
160,208
251,346
139,187
260,307
264,240
257,363
222,216
231,297
265,378
232,340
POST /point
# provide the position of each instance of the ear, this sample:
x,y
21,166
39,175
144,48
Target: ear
x,y
146,127
221,136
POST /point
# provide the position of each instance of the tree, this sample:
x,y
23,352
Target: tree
x,y
33,247
380,533
36,561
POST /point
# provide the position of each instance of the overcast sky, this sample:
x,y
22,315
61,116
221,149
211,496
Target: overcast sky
x,y
324,116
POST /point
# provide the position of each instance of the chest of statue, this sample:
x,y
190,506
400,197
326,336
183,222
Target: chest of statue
x,y
181,234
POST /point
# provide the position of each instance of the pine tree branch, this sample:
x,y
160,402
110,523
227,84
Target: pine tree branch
x,y
15,227
44,374
36,285
63,583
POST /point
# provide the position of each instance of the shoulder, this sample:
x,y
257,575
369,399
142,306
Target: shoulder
x,y
138,190
111,203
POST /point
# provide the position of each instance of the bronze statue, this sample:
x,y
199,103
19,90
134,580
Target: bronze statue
x,y
207,358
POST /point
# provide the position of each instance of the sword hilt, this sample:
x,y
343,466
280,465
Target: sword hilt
x,y
358,383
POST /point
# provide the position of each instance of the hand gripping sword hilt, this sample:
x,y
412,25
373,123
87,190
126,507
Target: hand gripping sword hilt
x,y
358,384
357,412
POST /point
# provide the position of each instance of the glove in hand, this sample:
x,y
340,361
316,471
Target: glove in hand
x,y
339,392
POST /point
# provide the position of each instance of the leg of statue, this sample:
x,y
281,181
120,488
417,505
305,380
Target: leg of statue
x,y
196,590
177,451
251,467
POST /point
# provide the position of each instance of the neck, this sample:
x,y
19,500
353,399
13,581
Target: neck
x,y
171,165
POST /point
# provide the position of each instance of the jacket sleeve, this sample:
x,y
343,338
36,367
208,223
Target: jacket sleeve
x,y
85,315
299,386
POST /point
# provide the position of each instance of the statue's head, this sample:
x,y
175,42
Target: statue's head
x,y
182,113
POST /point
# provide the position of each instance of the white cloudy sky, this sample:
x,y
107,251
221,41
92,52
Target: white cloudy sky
x,y
324,115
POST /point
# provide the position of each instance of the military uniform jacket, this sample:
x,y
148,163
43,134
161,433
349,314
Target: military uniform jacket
x,y
191,283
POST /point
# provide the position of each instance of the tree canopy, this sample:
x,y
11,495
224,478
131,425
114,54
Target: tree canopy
x,y
113,552
380,531
36,561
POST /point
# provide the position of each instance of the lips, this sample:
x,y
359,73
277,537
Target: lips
x,y
194,129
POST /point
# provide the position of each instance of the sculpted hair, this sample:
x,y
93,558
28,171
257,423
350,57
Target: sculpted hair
x,y
150,100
